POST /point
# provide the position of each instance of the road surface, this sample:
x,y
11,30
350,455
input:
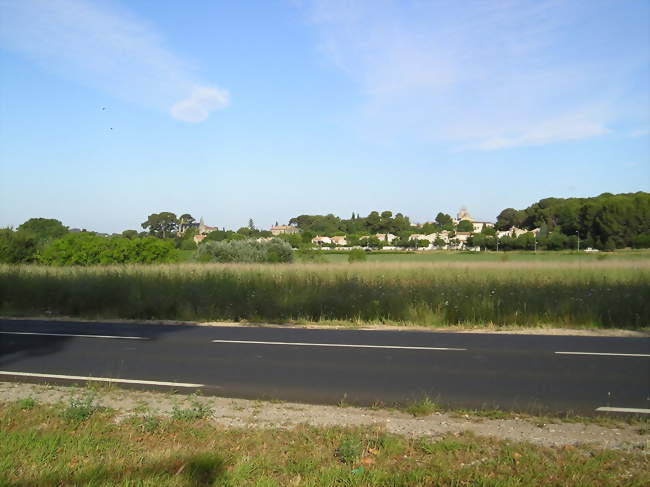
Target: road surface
x,y
469,370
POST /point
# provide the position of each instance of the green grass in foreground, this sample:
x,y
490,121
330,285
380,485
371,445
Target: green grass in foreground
x,y
442,256
40,446
561,294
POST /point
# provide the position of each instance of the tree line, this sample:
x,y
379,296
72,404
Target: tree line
x,y
606,222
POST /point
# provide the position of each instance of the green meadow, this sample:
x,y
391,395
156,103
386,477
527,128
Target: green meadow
x,y
560,291
438,256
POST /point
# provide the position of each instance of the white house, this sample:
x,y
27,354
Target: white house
x,y
321,240
513,232
386,237
339,240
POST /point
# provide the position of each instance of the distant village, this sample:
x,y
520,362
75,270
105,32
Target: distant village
x,y
441,240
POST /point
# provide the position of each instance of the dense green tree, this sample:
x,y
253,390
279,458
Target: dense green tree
x,y
605,221
162,224
18,247
556,241
465,226
444,220
293,239
44,229
130,234
186,219
509,218
641,241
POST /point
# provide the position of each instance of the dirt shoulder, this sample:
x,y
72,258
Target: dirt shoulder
x,y
258,414
487,329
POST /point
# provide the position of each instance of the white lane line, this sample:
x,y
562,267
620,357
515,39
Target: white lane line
x,y
100,379
304,344
603,353
624,410
69,335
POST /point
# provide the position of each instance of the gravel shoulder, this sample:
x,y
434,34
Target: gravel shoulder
x,y
487,329
241,413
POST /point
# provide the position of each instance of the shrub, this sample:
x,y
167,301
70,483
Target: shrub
x,y
90,249
274,250
196,411
80,408
349,449
27,403
356,255
187,244
17,247
424,407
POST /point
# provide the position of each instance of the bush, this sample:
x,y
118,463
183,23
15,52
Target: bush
x,y
80,408
196,411
356,255
274,250
17,247
349,449
90,249
187,244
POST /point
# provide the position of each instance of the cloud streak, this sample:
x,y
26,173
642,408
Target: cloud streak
x,y
484,75
108,49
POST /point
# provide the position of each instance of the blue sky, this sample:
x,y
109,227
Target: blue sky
x,y
270,109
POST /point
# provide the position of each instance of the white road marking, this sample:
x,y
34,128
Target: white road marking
x,y
70,335
603,353
304,344
101,379
624,410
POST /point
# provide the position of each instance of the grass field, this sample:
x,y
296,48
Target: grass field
x,y
77,444
610,293
436,256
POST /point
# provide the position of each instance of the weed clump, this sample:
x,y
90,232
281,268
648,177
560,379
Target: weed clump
x,y
424,407
80,408
27,403
349,450
196,411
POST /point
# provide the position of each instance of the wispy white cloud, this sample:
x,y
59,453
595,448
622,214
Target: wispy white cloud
x,y
107,47
481,75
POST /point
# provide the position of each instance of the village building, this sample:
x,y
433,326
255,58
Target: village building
x,y
284,230
319,240
463,214
513,232
386,237
339,240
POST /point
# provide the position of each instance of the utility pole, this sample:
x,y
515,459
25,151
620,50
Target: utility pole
x,y
535,240
578,234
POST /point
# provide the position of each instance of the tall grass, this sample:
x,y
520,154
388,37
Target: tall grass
x,y
601,294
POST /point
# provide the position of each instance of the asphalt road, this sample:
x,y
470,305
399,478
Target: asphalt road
x,y
534,373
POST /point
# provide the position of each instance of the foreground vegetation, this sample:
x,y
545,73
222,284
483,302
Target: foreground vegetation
x,y
78,444
602,294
